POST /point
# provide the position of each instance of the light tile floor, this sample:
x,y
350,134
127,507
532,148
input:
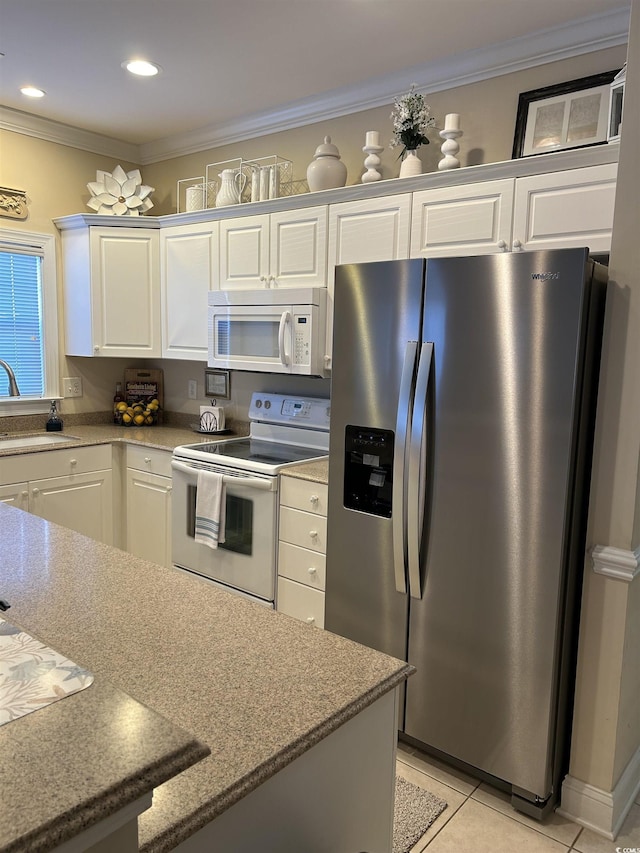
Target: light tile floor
x,y
480,819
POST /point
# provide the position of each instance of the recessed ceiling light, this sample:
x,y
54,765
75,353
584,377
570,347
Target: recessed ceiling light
x,y
141,67
32,92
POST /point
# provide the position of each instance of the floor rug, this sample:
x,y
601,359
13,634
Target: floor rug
x,y
415,811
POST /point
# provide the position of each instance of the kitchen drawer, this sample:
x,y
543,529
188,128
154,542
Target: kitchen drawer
x,y
149,459
302,565
301,602
55,463
303,494
303,528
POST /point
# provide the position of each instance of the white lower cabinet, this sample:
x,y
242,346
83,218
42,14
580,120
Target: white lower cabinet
x,y
147,519
301,549
69,487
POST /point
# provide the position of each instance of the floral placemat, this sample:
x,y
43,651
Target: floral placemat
x,y
33,675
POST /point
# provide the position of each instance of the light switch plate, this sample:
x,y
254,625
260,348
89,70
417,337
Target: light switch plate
x,y
72,386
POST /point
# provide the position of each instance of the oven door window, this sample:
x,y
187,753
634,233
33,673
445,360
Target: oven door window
x,y
239,522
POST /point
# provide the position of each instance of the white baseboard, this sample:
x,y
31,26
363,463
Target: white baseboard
x,y
601,811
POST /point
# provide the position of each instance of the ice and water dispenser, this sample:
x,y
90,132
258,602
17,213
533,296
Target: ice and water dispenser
x,y
368,470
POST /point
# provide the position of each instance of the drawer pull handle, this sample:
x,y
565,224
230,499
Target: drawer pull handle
x,y
73,462
313,534
147,459
314,499
310,620
312,570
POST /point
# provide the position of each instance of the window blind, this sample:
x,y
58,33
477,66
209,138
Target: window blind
x,y
21,338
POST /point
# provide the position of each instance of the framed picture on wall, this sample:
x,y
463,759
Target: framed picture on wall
x,y
567,115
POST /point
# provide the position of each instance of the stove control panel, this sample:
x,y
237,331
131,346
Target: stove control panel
x,y
310,412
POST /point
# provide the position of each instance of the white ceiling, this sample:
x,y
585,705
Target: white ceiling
x,y
232,66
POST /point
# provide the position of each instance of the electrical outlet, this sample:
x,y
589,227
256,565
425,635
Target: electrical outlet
x,y
193,389
72,386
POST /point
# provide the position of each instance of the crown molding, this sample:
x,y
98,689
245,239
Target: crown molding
x,y
598,32
64,134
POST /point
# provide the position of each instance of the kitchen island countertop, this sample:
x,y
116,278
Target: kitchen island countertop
x,y
257,687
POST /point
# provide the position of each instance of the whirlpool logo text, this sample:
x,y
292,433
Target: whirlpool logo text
x,y
545,276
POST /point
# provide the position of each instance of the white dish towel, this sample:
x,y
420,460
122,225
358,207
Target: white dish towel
x,y
210,509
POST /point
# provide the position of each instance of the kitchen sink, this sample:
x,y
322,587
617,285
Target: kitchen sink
x,y
9,443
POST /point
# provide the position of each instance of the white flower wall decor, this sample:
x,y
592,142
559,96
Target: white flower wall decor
x,y
119,193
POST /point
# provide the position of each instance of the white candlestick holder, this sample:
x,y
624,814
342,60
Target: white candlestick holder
x,y
371,163
449,149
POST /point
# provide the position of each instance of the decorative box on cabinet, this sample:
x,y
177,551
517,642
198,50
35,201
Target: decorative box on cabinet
x,y
111,289
148,504
72,487
188,256
285,249
301,550
375,229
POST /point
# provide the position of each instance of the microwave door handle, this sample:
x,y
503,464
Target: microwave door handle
x,y
416,485
285,319
398,512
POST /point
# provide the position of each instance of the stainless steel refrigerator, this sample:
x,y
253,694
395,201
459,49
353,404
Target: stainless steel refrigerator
x,y
462,407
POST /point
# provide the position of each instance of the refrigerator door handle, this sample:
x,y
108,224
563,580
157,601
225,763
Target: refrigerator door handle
x,y
416,478
403,421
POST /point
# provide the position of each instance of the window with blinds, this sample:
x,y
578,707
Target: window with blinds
x,y
21,326
28,320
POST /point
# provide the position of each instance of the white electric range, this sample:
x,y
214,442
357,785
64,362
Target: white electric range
x,y
284,430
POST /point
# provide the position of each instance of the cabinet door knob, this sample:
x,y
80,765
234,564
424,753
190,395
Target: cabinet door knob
x,y
96,348
73,462
25,494
147,459
312,570
517,246
263,278
35,492
310,620
313,534
314,499
502,245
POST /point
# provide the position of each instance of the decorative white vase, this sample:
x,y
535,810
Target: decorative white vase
x,y
326,171
411,164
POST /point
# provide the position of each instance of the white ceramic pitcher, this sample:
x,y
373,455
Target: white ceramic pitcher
x,y
232,183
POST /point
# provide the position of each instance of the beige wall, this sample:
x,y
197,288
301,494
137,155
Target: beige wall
x,y
606,732
487,109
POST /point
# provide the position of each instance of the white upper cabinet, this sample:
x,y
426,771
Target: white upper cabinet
x,y
376,229
188,255
285,249
548,211
565,209
111,291
472,219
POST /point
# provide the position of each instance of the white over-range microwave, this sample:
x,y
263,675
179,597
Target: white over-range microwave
x,y
272,331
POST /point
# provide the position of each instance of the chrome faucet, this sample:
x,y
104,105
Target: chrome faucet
x,y
13,385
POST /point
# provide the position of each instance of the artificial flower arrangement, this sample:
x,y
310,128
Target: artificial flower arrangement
x,y
411,117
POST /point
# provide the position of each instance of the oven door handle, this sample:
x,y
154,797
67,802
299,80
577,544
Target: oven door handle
x,y
229,479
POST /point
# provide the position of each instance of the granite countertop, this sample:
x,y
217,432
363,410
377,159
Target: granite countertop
x,y
316,471
162,437
259,688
